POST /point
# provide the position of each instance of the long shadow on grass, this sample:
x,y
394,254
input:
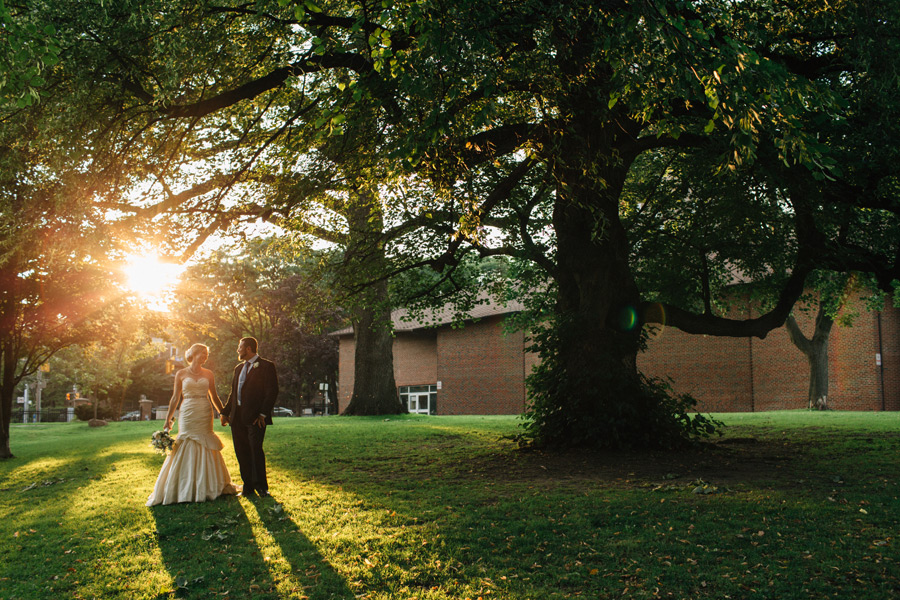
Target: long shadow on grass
x,y
212,548
313,574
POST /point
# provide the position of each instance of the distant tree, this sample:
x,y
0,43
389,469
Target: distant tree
x,y
104,370
829,303
266,292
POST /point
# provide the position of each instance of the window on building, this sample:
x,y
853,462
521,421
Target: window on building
x,y
419,399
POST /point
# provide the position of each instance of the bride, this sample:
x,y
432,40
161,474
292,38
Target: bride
x,y
194,471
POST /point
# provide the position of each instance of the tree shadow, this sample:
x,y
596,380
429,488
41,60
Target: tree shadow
x,y
476,516
235,548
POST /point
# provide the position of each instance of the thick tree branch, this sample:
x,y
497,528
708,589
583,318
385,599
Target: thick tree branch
x,y
273,80
709,324
796,335
506,139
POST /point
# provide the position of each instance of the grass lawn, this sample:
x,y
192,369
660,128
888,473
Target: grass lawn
x,y
784,505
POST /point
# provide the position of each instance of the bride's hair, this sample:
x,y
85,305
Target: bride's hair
x,y
194,351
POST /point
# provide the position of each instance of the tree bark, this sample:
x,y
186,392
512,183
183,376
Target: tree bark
x,y
595,286
374,387
589,391
816,351
7,394
8,358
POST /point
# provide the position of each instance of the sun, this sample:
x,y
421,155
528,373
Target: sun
x,y
151,279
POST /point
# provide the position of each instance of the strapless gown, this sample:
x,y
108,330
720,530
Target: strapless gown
x,y
194,471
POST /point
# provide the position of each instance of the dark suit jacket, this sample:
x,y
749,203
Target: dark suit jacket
x,y
258,394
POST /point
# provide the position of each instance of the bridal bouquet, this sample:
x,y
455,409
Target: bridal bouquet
x,y
162,441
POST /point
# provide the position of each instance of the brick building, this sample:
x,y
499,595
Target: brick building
x,y
480,368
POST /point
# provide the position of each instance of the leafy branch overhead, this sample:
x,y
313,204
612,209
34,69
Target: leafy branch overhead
x,y
598,143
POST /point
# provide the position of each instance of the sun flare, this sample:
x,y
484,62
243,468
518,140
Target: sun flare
x,y
151,279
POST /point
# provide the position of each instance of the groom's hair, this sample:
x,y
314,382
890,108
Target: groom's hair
x,y
251,343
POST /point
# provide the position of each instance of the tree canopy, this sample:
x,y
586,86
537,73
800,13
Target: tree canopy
x,y
547,120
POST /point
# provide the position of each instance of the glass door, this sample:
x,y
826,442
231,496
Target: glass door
x,y
418,404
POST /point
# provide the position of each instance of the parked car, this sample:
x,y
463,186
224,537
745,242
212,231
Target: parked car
x,y
132,415
280,411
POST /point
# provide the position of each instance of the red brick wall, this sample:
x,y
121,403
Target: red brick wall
x,y
415,361
717,371
780,370
415,358
853,378
714,370
346,352
481,370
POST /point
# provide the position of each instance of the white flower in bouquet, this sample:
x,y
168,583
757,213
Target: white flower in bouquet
x,y
162,441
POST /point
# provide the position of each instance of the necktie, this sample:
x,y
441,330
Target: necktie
x,y
242,378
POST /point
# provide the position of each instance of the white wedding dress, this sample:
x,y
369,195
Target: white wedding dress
x,y
194,471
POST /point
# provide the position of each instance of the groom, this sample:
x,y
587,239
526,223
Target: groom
x,y
248,409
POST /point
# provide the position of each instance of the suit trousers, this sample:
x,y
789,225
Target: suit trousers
x,y
248,447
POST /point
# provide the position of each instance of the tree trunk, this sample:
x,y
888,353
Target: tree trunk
x,y
598,333
374,387
816,351
8,358
331,394
818,377
588,391
7,394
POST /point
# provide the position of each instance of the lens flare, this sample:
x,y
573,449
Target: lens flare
x,y
628,318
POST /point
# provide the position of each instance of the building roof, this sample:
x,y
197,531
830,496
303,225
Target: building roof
x,y
404,319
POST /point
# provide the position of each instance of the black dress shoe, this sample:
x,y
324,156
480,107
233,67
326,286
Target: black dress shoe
x,y
263,493
247,493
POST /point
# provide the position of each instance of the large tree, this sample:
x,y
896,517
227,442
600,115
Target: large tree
x,y
55,286
500,106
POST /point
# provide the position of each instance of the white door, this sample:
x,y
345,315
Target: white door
x,y
418,404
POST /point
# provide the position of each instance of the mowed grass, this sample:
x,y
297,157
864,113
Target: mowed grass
x,y
785,505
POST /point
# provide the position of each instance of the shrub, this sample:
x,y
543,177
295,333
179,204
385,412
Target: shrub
x,y
598,409
85,412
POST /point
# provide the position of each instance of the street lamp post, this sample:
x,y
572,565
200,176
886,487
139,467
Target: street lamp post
x,y
40,385
323,387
